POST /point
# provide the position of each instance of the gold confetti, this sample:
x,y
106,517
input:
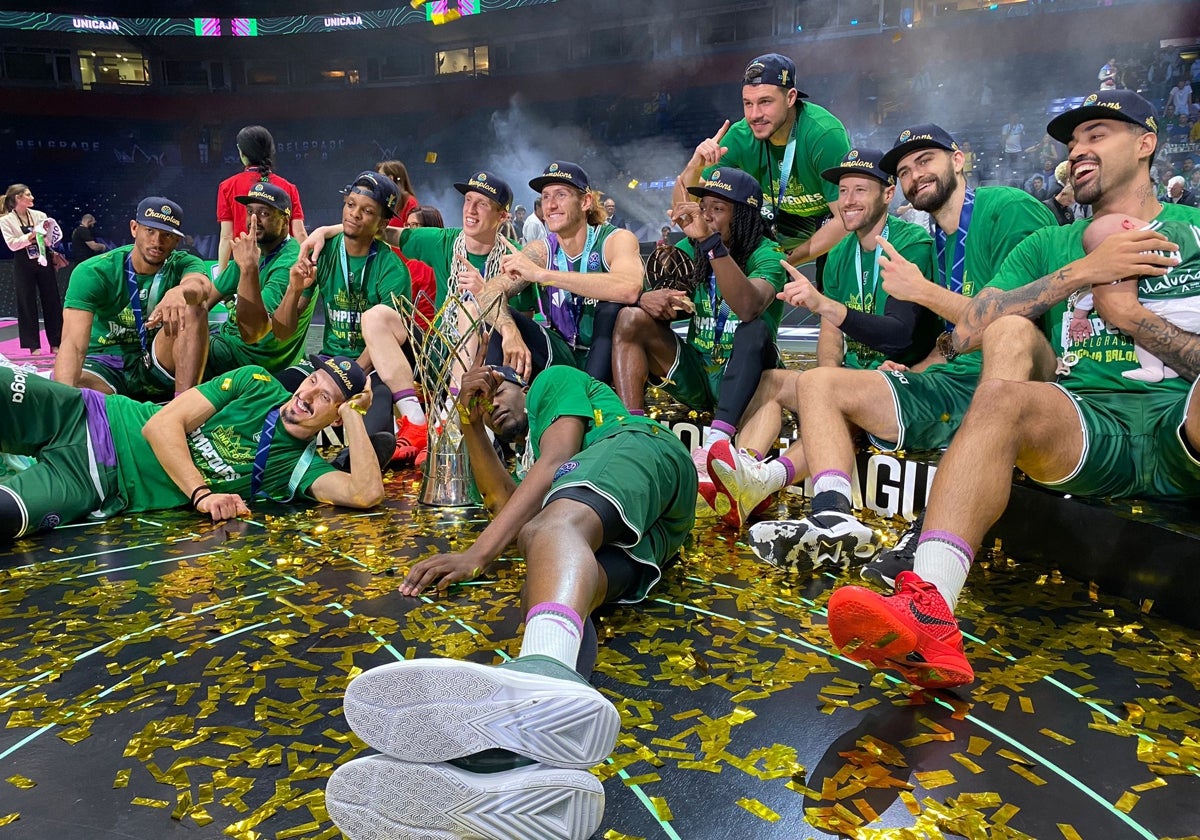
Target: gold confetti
x,y
966,762
430,157
1026,704
1151,785
932,779
1049,733
21,782
977,745
1069,832
661,808
759,810
8,819
1027,774
1127,801
226,383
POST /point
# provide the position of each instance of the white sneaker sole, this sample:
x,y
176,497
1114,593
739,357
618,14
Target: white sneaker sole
x,y
797,545
428,710
380,798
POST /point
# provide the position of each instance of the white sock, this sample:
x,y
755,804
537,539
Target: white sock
x,y
943,559
553,630
777,477
410,409
713,436
833,480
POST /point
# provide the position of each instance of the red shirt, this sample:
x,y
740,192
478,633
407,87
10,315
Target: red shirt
x,y
229,210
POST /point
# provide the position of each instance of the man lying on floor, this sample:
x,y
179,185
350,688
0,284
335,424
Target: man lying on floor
x,y
218,447
609,499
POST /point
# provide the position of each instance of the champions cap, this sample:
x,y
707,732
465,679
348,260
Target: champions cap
x,y
1124,105
926,136
161,214
509,375
378,187
772,69
272,195
562,172
345,372
859,162
730,184
489,185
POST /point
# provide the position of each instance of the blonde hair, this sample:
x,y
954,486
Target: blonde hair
x,y
596,214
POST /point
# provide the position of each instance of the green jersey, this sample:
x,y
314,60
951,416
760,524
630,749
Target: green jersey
x,y
273,270
563,391
570,315
223,448
352,285
435,246
820,143
1100,359
711,329
852,278
100,286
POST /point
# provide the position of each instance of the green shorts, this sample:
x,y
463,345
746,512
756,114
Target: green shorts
x,y
648,476
693,379
1132,446
559,352
133,376
70,478
929,406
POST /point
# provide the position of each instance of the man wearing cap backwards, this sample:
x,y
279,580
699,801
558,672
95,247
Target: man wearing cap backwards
x,y
734,313
608,499
1093,432
785,143
269,318
862,328
218,447
577,277
461,258
899,408
135,319
355,272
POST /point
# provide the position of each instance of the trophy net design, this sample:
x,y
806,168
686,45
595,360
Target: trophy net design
x,y
438,345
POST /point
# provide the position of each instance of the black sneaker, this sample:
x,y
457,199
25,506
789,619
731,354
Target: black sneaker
x,y
890,562
384,444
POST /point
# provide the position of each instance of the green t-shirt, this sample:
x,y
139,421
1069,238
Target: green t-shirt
x,y
374,278
562,308
1002,219
713,315
564,391
864,292
222,448
435,246
269,351
100,286
1108,352
821,143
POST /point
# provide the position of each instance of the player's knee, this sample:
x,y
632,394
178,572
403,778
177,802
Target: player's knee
x,y
1011,333
631,324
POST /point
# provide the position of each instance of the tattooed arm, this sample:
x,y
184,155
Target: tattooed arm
x,y
1133,253
1178,348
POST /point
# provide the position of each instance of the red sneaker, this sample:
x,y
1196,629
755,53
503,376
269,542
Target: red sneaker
x,y
912,632
410,440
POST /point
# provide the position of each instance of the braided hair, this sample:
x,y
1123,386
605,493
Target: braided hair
x,y
746,230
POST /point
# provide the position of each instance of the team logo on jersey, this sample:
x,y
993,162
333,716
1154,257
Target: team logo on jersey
x,y
567,467
593,262
50,520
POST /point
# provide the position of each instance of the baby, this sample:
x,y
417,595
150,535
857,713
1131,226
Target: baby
x,y
1183,312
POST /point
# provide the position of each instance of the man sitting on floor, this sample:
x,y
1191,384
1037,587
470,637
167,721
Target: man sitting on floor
x,y
218,447
608,499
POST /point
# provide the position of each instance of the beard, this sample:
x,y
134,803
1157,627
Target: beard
x,y
946,184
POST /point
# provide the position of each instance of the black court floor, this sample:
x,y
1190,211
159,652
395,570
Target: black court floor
x,y
161,677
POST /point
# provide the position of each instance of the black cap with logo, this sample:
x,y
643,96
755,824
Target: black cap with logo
x,y
344,372
562,172
914,138
379,187
859,162
1124,105
772,69
489,185
730,184
161,214
272,195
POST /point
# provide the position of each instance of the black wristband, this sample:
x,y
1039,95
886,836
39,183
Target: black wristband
x,y
197,490
713,247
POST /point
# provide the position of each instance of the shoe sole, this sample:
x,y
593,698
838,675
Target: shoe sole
x,y
380,798
865,629
796,545
780,543
725,503
428,710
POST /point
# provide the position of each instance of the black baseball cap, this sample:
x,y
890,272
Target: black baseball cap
x,y
731,184
772,69
379,187
272,195
562,172
509,375
925,136
860,162
1124,105
161,214
344,371
489,185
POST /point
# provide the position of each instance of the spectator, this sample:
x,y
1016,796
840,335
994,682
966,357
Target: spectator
x,y
1178,193
83,240
610,208
665,238
518,221
30,235
1012,134
1036,187
969,165
1194,132
535,225
1108,75
1179,129
398,172
425,216
1180,97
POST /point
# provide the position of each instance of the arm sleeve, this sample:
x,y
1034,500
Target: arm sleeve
x,y
224,211
890,333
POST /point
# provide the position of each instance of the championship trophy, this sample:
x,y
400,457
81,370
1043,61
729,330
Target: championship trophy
x,y
438,345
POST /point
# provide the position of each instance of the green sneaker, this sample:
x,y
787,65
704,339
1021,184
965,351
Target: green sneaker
x,y
431,710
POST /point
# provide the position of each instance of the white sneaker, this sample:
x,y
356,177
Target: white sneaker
x,y
741,479
823,539
429,710
381,798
